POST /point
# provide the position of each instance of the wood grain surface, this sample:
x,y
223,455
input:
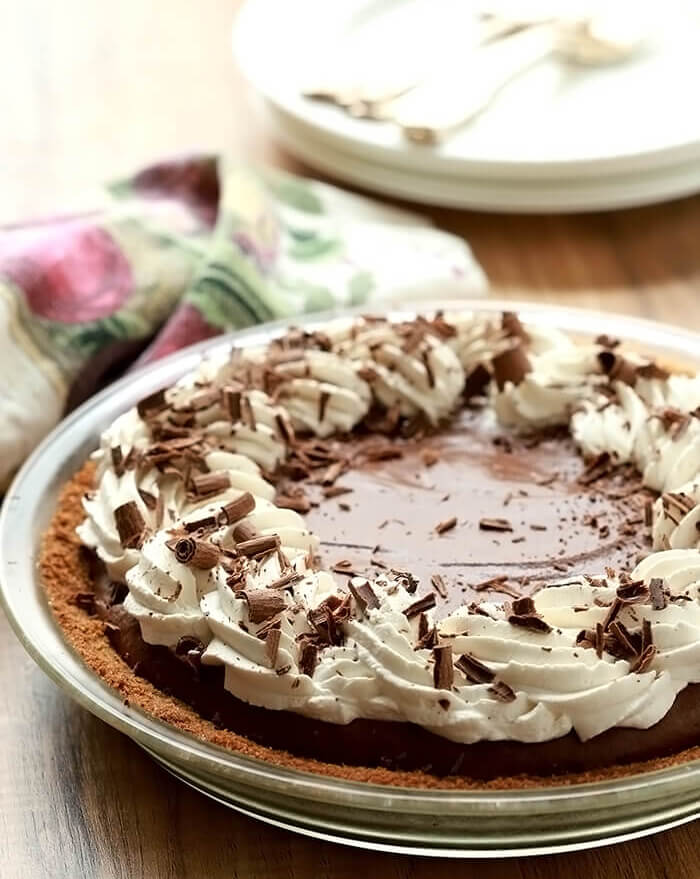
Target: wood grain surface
x,y
92,90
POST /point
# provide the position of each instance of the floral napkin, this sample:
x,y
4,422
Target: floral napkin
x,y
183,251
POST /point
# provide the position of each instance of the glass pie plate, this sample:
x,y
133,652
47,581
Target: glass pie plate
x,y
437,822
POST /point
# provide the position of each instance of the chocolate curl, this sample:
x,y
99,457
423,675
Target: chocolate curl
x,y
263,604
231,401
475,671
258,545
308,656
210,483
131,526
284,426
244,532
196,553
502,692
364,595
511,366
203,400
236,509
420,606
152,404
272,643
617,368
443,669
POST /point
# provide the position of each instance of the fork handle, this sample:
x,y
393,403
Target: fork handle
x,y
432,112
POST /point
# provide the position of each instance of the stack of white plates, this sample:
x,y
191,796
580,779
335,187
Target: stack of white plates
x,y
558,138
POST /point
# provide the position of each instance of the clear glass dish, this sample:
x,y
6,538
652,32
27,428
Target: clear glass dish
x,y
440,822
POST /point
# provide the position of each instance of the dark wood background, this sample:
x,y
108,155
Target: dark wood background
x,y
89,91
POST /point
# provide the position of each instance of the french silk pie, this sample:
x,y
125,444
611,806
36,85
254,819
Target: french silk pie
x,y
456,550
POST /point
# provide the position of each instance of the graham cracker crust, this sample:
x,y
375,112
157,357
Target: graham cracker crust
x,y
65,573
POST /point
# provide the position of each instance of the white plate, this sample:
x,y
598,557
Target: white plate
x,y
487,193
556,121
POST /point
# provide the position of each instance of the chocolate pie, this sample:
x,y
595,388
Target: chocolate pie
x,y
450,551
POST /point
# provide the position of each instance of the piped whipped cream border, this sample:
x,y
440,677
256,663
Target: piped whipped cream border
x,y
587,654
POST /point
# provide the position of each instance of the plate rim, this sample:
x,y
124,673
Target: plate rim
x,y
251,28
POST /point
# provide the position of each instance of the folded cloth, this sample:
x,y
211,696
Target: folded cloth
x,y
182,251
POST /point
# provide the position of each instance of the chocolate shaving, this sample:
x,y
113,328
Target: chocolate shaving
x,y
653,371
529,621
524,605
236,509
634,592
511,365
152,404
196,553
644,660
263,604
272,643
206,484
117,460
285,428
286,580
438,583
331,491
502,691
427,634
130,524
441,328
244,532
364,595
443,669
382,451
446,525
293,499
475,670
599,640
495,525
600,466
150,501
248,413
323,399
491,582
258,546
476,382
206,523
405,578
326,617
624,638
612,613
657,594
333,472
513,327
231,401
425,357
308,656
420,606
345,566
607,341
617,368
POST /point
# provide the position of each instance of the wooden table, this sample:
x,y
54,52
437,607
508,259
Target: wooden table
x,y
89,91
